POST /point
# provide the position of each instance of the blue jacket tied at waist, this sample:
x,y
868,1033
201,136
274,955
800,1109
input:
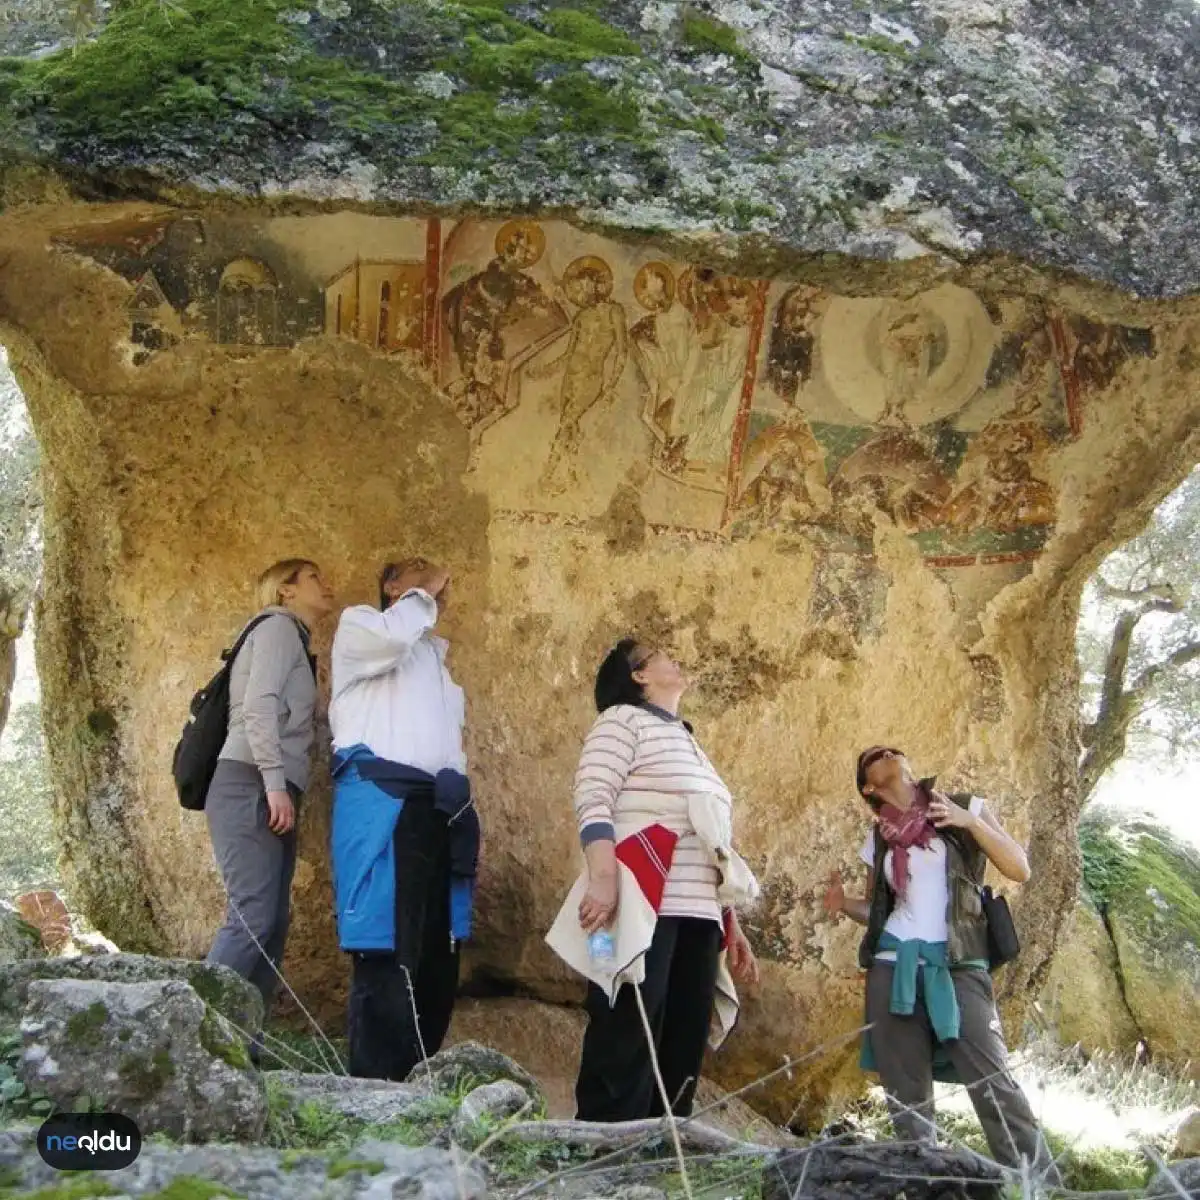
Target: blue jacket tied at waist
x,y
369,794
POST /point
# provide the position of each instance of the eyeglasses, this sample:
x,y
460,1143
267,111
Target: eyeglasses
x,y
637,666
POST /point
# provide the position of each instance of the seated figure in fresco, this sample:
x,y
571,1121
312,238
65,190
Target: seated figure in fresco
x,y
593,362
478,311
895,473
783,478
997,486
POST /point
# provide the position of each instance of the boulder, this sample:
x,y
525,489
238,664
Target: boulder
x,y
472,1065
483,1107
151,1051
371,1101
19,940
1180,1178
883,1171
1131,973
1187,1136
366,1171
758,336
222,989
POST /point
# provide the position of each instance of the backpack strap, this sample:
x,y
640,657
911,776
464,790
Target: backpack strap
x,y
231,653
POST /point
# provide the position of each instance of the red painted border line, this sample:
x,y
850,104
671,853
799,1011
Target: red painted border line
x,y
1066,370
749,382
433,285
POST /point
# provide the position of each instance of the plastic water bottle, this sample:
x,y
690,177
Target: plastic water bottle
x,y
602,948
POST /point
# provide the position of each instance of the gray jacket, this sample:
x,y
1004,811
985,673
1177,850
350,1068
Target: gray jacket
x,y
272,698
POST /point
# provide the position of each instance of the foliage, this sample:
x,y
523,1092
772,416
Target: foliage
x,y
1090,1170
27,840
1139,642
17,1103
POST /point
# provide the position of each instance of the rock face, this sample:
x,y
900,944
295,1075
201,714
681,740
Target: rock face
x,y
377,1172
19,940
1131,971
856,493
149,1050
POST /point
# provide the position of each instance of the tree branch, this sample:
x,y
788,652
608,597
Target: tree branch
x,y
1186,653
1161,597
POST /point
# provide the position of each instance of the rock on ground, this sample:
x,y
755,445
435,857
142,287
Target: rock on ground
x,y
471,1063
1187,1136
225,991
19,940
371,1172
490,1103
373,1101
883,1171
148,1050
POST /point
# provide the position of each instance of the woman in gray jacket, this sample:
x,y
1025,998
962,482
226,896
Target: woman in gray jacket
x,y
252,802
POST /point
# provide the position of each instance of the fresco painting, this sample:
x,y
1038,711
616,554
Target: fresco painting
x,y
733,407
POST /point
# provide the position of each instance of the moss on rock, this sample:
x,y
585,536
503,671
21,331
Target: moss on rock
x,y
145,1076
83,1028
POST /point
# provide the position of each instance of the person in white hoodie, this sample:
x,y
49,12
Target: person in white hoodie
x,y
656,825
405,835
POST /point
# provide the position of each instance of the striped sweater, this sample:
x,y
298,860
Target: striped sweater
x,y
639,765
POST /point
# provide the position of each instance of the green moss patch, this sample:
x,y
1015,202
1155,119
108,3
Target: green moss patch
x,y
83,1028
708,36
1139,874
147,1076
77,1189
234,74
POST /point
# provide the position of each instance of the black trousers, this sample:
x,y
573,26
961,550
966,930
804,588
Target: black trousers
x,y
616,1076
401,1003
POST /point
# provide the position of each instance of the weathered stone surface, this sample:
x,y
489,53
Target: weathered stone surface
x,y
469,1062
932,544
1060,134
1187,1136
484,1106
1131,973
1084,1000
1184,1174
224,990
148,1050
830,483
369,1171
373,1101
19,941
882,1172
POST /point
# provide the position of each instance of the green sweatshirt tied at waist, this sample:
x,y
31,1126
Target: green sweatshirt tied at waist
x,y
941,1001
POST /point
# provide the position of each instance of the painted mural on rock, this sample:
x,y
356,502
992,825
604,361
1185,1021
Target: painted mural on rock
x,y
731,406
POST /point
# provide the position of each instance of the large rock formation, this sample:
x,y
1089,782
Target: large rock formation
x,y
1129,973
830,349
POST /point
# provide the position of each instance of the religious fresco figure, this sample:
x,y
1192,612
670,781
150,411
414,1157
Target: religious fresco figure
x,y
897,473
783,481
481,310
663,345
694,437
592,363
1000,484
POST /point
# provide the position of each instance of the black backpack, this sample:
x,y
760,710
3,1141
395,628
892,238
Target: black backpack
x,y
196,753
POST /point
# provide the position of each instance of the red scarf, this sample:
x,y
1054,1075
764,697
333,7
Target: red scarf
x,y
900,830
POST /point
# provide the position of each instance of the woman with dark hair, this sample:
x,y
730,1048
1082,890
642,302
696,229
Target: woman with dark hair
x,y
929,1003
662,880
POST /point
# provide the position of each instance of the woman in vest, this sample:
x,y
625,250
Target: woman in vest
x,y
929,991
253,800
662,878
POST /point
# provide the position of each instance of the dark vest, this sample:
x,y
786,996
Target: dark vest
x,y
966,864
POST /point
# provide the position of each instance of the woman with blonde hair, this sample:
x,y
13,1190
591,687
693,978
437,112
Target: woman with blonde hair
x,y
262,771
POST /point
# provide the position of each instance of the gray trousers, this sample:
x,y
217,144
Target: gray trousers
x,y
256,867
903,1048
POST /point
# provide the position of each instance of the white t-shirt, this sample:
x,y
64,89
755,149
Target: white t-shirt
x,y
921,913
